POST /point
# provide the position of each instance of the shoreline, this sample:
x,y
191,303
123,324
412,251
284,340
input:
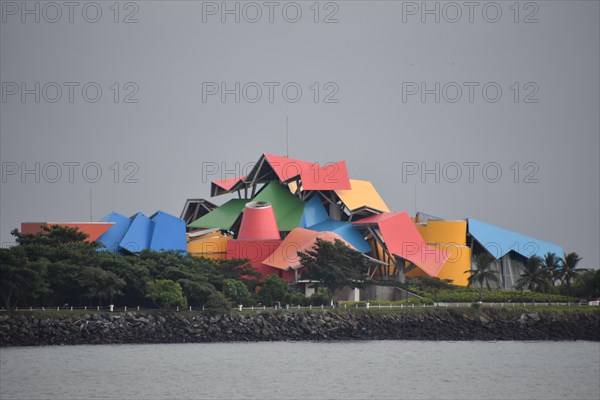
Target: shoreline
x,y
437,324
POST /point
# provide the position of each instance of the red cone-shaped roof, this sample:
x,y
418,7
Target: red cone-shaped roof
x,y
258,222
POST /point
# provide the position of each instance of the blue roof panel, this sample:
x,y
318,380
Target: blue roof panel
x,y
499,241
314,212
347,231
112,237
168,233
138,235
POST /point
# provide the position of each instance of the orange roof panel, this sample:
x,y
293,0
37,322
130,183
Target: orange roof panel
x,y
299,239
93,229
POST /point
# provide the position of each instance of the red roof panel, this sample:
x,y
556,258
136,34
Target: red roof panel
x,y
404,240
227,184
333,176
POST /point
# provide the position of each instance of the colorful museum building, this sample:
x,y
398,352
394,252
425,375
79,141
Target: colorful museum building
x,y
283,205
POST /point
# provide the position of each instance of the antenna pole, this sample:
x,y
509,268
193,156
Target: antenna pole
x,y
415,199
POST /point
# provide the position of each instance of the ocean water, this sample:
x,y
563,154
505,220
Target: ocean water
x,y
305,370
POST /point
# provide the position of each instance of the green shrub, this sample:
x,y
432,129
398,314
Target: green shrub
x,y
165,293
300,299
498,296
218,302
384,303
321,297
467,294
274,290
237,292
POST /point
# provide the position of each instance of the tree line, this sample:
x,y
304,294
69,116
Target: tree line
x,y
58,267
550,275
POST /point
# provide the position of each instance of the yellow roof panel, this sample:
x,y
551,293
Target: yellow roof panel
x,y
214,248
362,194
454,268
443,232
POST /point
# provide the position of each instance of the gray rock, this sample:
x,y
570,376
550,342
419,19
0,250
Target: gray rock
x,y
534,316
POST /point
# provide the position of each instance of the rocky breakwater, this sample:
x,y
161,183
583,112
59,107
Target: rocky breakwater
x,y
25,329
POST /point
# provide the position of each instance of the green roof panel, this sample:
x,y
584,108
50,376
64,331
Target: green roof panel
x,y
288,208
222,217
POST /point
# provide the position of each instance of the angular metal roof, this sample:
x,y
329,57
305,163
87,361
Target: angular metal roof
x,y
362,194
300,239
137,237
223,186
332,176
94,230
112,238
196,208
288,208
222,217
499,241
347,231
444,232
168,232
404,240
314,212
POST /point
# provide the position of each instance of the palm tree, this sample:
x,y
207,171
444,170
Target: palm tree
x,y
553,265
482,273
535,277
568,270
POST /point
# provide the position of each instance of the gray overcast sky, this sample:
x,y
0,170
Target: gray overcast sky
x,y
513,85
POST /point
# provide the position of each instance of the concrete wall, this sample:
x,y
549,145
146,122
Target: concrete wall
x,y
372,292
347,294
385,293
509,270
